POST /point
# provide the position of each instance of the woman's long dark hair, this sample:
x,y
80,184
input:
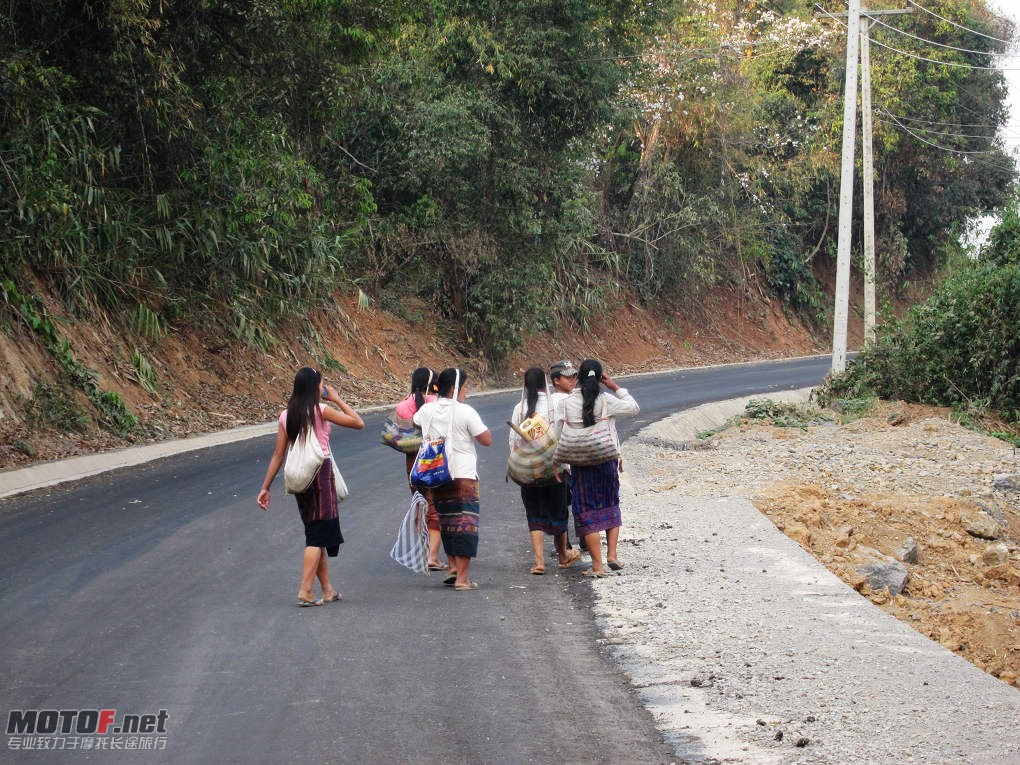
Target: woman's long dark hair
x,y
589,377
421,384
450,378
304,402
534,382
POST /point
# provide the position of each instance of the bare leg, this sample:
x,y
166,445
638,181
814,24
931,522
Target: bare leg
x,y
560,542
612,535
309,568
461,564
329,592
538,549
594,544
435,541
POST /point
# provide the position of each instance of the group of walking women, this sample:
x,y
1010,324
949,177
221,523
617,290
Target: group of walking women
x,y
592,491
436,404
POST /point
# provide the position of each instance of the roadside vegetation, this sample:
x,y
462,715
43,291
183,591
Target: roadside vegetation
x,y
959,349
483,170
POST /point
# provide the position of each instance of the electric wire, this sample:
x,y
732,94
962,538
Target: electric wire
x,y
948,134
958,26
934,145
924,58
947,63
925,40
945,124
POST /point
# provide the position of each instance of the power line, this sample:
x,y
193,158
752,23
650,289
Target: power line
x,y
945,124
946,133
958,26
924,58
938,146
941,45
978,158
948,63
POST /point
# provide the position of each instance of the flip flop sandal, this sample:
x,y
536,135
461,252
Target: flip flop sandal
x,y
592,574
615,565
468,586
336,597
450,579
438,566
571,561
538,570
306,603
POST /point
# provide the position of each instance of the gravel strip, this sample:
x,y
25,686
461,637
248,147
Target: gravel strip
x,y
747,650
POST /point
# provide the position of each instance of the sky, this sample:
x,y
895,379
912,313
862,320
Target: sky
x,y
1011,65
1011,131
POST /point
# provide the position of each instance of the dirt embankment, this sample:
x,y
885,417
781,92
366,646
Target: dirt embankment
x,y
902,490
204,382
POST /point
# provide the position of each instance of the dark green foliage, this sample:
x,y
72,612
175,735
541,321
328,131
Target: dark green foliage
x,y
511,164
960,349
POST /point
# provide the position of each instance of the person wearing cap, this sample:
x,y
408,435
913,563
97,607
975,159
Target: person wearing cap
x,y
564,378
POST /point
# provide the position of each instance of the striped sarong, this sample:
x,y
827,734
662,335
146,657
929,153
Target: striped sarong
x,y
595,493
457,505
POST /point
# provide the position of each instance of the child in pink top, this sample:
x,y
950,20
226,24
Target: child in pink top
x,y
423,391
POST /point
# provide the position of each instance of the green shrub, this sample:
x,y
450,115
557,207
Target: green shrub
x,y
960,349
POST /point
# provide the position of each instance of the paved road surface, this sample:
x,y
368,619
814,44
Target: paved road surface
x,y
164,586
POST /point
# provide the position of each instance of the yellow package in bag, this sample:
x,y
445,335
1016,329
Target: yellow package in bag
x,y
535,427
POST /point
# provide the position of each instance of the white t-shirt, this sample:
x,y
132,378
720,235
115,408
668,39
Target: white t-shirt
x,y
543,408
556,398
434,419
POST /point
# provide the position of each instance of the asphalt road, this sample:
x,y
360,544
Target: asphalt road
x,y
165,587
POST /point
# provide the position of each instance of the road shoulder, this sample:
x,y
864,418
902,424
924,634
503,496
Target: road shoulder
x,y
746,649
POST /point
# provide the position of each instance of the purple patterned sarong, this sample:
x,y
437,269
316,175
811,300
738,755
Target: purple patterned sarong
x,y
595,493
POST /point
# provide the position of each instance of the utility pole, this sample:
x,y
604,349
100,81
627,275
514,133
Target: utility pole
x,y
856,35
869,183
846,190
870,272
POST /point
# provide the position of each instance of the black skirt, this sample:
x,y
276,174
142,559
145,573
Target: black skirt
x,y
324,534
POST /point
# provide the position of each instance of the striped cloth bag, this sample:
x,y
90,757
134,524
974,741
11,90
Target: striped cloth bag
x,y
411,549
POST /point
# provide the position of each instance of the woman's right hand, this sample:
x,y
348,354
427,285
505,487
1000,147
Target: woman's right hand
x,y
263,499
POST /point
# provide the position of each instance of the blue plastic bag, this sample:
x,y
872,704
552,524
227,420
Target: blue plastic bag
x,y
431,468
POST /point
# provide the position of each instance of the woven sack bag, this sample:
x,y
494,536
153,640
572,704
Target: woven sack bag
x,y
304,458
592,445
411,548
532,463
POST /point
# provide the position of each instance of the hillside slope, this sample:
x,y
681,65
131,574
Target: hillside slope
x,y
204,381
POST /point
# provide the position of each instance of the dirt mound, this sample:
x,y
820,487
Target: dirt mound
x,y
902,488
